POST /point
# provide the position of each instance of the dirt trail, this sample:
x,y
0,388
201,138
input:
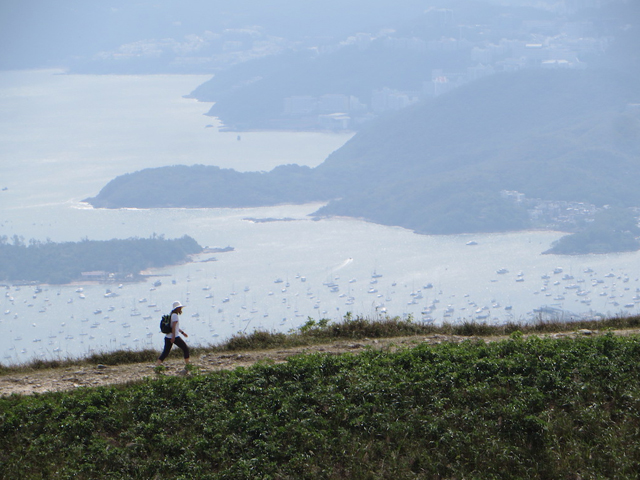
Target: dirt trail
x,y
68,378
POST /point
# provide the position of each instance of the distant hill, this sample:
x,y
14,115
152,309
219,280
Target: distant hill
x,y
452,39
252,95
439,167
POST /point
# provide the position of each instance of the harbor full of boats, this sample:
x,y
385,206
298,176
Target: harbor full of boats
x,y
238,292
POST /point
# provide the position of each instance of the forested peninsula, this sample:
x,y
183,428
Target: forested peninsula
x,y
500,154
60,263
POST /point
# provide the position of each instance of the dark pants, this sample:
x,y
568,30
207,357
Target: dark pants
x,y
168,345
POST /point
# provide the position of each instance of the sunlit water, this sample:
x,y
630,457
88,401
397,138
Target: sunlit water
x,y
63,137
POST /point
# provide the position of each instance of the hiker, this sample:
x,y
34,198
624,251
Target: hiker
x,y
174,336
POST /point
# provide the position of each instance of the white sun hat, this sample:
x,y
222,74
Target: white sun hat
x,y
177,304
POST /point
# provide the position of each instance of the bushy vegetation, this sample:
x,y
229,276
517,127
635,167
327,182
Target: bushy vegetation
x,y
322,331
529,409
358,328
57,263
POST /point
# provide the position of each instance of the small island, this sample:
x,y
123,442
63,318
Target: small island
x,y
110,260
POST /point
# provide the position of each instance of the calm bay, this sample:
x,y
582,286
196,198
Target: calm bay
x,y
63,137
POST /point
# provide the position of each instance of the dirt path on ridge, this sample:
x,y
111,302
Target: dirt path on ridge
x,y
68,378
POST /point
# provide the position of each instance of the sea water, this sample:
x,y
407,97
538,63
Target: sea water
x,y
63,137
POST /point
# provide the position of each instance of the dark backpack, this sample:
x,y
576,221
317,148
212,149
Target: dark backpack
x,y
165,324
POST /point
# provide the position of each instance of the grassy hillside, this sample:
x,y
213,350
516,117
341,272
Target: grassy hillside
x,y
534,408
